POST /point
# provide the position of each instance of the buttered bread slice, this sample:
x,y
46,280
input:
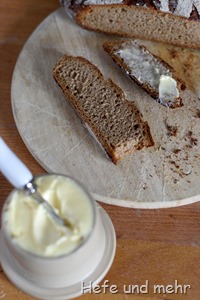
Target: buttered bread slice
x,y
114,121
154,75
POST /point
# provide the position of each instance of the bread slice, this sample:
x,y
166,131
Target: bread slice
x,y
154,75
140,22
189,9
115,122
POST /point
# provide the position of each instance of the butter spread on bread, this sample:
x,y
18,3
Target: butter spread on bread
x,y
168,92
147,70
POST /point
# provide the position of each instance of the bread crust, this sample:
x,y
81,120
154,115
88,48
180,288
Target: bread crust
x,y
116,151
111,46
176,30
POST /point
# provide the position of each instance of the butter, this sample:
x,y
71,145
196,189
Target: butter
x,y
142,64
32,228
168,92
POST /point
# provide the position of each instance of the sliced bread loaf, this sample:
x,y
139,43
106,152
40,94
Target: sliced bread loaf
x,y
143,21
154,75
115,122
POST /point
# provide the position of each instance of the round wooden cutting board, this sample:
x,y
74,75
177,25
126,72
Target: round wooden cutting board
x,y
161,176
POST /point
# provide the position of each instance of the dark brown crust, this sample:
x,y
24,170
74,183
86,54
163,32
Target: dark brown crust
x,y
147,141
75,6
173,17
110,48
150,13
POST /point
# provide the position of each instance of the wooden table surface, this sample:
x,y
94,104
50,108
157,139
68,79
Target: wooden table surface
x,y
154,247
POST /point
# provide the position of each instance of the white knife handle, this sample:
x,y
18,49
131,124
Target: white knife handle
x,y
13,168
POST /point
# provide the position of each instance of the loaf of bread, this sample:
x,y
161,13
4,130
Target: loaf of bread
x,y
154,75
175,22
115,122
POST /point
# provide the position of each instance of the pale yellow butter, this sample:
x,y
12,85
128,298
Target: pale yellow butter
x,y
142,64
168,92
32,228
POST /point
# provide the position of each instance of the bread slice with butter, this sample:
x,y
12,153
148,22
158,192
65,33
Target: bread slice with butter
x,y
154,75
114,121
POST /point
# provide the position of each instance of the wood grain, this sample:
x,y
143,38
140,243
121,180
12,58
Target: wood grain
x,y
161,176
157,245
